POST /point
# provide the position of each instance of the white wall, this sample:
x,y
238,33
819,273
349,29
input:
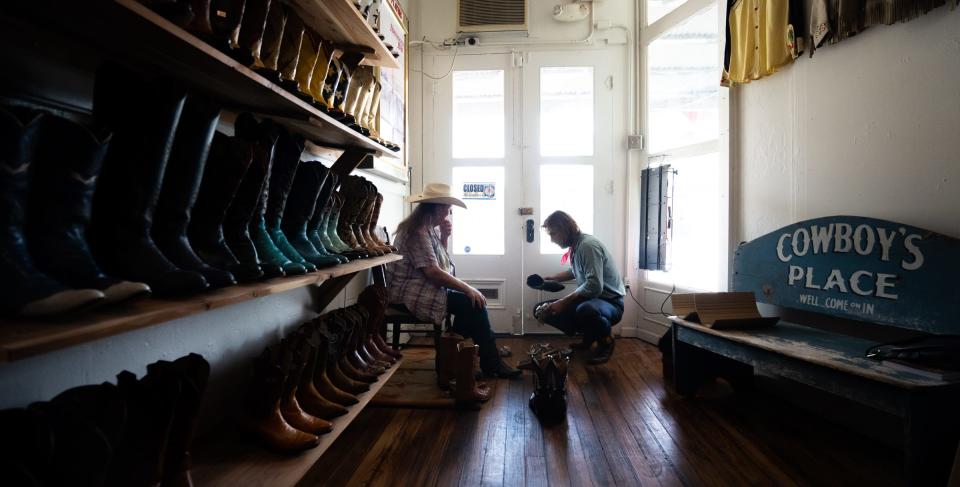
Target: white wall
x,y
869,126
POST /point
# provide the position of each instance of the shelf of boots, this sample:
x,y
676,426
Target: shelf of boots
x,y
340,22
133,33
234,459
20,339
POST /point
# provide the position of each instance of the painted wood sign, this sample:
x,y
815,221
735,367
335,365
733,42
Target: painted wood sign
x,y
859,268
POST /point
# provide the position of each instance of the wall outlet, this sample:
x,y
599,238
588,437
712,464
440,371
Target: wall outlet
x,y
635,142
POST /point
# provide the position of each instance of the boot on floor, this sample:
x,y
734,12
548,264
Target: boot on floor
x,y
131,178
467,391
604,350
229,160
24,290
62,183
447,359
181,183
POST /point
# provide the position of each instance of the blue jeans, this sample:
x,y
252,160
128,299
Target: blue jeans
x,y
593,318
474,323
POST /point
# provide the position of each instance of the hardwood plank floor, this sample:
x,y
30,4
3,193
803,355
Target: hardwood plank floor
x,y
624,427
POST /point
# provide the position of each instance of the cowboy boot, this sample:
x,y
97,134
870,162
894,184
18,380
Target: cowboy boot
x,y
348,64
334,70
365,220
181,182
300,205
331,328
334,229
321,380
309,398
178,12
467,393
352,97
229,160
226,17
605,346
373,114
374,299
27,447
319,78
266,62
193,372
328,231
344,230
289,56
374,219
358,192
365,103
354,319
313,226
377,366
102,406
266,248
306,64
286,159
447,358
62,182
131,178
200,25
349,362
236,223
251,33
81,453
290,409
151,408
263,417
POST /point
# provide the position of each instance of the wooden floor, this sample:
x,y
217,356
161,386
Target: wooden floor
x,y
623,428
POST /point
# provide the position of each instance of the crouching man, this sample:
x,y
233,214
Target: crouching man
x,y
597,302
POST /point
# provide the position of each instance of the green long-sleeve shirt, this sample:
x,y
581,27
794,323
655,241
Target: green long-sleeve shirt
x,y
596,272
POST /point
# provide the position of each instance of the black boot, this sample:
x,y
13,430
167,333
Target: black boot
x,y
63,180
26,447
228,162
236,223
267,134
604,351
313,226
191,146
300,207
25,290
286,160
225,19
130,181
81,453
193,372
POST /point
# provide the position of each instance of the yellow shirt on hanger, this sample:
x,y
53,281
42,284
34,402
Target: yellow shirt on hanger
x,y
761,39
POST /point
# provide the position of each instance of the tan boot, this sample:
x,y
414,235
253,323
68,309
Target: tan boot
x,y
290,408
309,398
468,392
264,418
447,359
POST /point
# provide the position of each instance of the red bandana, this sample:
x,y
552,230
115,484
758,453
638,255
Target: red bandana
x,y
566,256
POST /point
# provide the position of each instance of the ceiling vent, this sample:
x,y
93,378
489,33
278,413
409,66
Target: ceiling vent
x,y
492,15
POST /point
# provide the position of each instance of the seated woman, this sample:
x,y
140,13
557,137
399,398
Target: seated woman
x,y
424,280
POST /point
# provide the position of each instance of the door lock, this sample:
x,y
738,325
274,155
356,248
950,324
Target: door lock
x,y
530,225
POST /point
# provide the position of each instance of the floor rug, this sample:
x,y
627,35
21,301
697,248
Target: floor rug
x,y
414,384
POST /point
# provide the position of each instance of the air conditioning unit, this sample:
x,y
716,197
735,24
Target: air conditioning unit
x,y
492,16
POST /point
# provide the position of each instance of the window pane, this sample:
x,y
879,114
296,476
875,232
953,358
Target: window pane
x,y
658,8
683,84
693,260
482,189
566,111
569,188
478,130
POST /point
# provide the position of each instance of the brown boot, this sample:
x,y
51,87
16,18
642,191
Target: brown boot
x,y
289,406
447,359
194,372
264,418
374,218
321,381
311,400
467,392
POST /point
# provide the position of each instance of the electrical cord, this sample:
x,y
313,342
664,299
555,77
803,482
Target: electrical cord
x,y
662,304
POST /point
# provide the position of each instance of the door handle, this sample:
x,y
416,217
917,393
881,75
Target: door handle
x,y
530,230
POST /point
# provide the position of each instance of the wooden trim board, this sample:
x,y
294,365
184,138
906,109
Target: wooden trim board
x,y
20,339
234,459
338,21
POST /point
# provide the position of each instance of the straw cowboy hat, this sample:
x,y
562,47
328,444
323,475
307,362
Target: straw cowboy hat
x,y
436,193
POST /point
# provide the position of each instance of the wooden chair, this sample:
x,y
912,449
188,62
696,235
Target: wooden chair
x,y
398,315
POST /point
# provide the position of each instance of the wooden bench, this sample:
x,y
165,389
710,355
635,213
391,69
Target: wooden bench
x,y
828,360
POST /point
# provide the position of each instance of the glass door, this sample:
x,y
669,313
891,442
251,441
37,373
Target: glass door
x,y
470,132
567,158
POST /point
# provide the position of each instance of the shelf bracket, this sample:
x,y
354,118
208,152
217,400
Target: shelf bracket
x,y
348,161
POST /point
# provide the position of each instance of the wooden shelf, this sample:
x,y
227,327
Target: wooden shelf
x,y
129,31
233,459
22,339
340,22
